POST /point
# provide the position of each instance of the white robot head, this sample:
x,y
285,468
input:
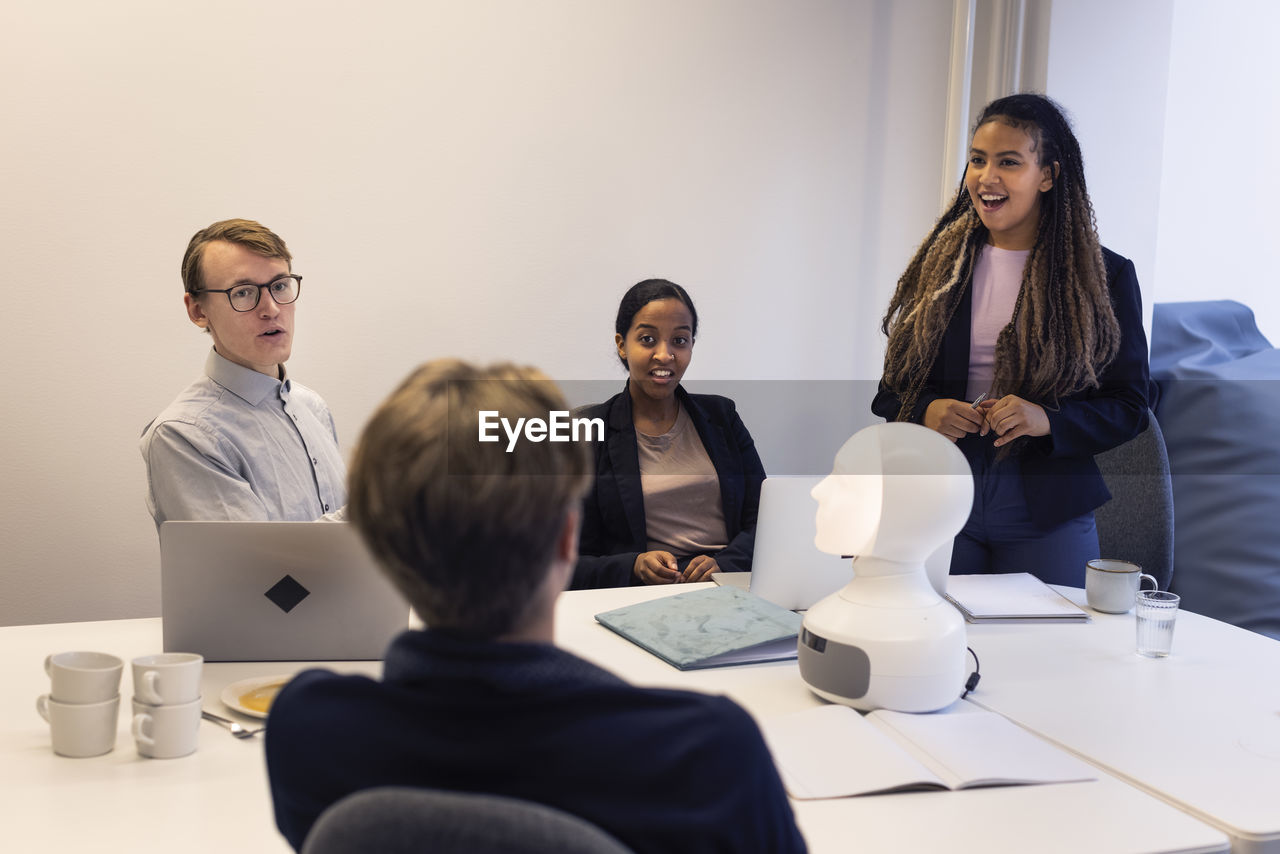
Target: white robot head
x,y
896,497
897,492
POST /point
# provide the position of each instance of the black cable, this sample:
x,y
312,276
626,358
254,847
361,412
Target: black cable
x,y
972,681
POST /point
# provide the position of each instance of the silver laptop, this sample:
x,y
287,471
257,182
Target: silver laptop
x,y
786,567
275,591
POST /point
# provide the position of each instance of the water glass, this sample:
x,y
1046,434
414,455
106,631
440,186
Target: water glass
x,y
1156,612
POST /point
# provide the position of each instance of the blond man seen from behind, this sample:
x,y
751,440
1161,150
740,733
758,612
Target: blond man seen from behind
x,y
482,542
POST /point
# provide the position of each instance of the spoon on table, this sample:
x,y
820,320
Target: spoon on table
x,y
235,729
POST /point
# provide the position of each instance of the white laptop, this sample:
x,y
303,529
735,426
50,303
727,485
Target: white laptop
x,y
275,591
786,567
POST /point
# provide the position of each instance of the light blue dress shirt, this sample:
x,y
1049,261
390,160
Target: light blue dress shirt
x,y
238,444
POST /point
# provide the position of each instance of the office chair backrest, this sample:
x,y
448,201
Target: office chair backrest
x,y
1137,523
395,820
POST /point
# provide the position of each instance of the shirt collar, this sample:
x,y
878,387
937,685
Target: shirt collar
x,y
253,387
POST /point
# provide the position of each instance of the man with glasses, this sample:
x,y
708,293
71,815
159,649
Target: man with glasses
x,y
244,441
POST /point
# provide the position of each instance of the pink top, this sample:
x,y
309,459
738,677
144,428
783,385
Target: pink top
x,y
997,276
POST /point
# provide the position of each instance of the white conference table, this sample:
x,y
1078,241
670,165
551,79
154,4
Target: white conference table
x,y
1200,729
1094,816
217,800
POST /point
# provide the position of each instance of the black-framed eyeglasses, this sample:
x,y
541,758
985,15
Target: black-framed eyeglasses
x,y
283,289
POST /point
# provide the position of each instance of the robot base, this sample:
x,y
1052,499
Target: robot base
x,y
905,659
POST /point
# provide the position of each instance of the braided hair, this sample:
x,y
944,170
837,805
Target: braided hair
x,y
1063,332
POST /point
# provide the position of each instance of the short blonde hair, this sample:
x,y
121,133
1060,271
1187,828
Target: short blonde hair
x,y
465,529
253,235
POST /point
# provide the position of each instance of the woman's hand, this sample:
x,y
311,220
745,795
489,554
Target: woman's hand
x,y
656,568
954,419
700,569
1011,417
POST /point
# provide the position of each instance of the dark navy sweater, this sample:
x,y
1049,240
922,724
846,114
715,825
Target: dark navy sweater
x,y
662,770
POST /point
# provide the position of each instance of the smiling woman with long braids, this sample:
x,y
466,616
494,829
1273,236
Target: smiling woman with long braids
x,y
677,477
1012,301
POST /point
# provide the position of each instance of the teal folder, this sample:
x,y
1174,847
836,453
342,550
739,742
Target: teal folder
x,y
712,627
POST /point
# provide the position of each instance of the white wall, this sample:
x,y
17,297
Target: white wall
x,y
479,178
1175,103
1108,66
1220,183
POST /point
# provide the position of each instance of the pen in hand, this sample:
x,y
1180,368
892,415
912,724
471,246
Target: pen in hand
x,y
976,401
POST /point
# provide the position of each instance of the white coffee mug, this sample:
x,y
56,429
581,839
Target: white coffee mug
x,y
1111,586
83,677
167,678
166,732
81,729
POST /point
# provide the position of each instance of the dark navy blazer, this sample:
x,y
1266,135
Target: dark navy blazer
x,y
1059,477
613,521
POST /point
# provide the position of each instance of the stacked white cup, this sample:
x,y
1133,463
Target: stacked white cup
x,y
167,704
83,703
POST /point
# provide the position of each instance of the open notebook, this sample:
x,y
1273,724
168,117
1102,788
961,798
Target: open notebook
x,y
834,752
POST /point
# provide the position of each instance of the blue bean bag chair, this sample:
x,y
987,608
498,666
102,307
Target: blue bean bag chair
x,y
1219,407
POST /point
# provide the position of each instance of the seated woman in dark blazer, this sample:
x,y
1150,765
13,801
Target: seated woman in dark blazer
x,y
677,477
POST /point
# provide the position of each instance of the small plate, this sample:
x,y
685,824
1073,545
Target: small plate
x,y
233,696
